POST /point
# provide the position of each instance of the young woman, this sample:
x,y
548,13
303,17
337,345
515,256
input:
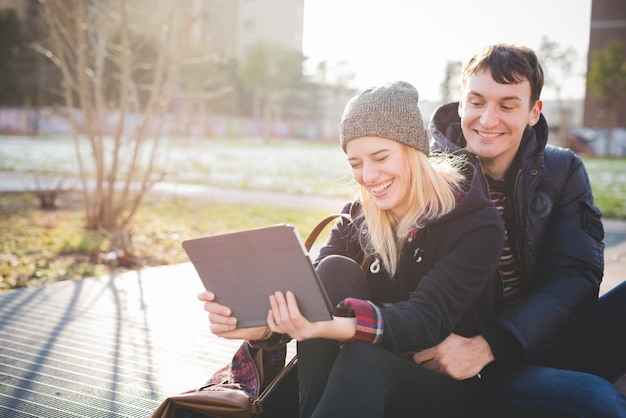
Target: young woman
x,y
417,262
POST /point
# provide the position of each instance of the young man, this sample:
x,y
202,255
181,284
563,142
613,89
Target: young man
x,y
547,348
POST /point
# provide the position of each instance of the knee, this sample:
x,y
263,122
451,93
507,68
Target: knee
x,y
365,361
613,302
618,291
600,396
337,265
557,392
342,277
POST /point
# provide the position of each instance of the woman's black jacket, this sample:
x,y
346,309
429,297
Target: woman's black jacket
x,y
447,278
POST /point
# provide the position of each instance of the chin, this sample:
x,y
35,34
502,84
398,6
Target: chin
x,y
383,205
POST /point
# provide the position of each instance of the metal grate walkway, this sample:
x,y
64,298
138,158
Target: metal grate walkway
x,y
105,347
116,346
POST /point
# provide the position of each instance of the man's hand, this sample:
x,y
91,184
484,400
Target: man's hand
x,y
456,356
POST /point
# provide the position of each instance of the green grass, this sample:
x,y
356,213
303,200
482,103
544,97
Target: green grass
x,y
608,181
40,247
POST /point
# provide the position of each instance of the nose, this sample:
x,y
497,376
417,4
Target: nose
x,y
369,173
489,117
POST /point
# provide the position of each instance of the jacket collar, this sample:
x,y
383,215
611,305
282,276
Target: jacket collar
x,y
445,128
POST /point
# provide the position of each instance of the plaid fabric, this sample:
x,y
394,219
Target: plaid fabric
x,y
369,321
250,363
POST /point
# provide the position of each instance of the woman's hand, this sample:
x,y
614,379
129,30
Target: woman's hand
x,y
284,317
223,324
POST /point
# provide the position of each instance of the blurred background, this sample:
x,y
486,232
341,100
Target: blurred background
x,y
285,68
118,117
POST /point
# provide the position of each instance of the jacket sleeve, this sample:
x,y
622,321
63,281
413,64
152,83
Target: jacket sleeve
x,y
563,287
369,323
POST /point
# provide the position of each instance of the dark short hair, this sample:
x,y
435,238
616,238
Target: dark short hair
x,y
508,64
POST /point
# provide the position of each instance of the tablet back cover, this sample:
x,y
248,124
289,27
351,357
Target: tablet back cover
x,y
243,268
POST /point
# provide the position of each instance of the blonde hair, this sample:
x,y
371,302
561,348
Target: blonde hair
x,y
435,184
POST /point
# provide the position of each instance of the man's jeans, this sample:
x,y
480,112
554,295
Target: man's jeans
x,y
585,390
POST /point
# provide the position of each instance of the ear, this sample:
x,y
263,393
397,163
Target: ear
x,y
535,112
460,108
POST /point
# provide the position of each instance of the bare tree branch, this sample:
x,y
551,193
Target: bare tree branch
x,y
109,79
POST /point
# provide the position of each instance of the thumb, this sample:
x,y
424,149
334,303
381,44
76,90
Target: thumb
x,y
424,356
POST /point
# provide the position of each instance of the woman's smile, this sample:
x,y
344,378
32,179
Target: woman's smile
x,y
380,188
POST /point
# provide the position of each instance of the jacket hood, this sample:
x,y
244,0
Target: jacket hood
x,y
476,193
445,129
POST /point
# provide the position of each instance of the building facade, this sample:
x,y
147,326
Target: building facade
x,y
231,27
608,22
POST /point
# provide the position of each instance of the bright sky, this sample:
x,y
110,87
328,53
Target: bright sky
x,y
412,40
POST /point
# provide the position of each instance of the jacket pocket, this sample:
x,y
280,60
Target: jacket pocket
x,y
592,220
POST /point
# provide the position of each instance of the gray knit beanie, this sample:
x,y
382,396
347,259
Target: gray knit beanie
x,y
389,111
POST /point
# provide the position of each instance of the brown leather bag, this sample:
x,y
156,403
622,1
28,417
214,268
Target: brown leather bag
x,y
232,401
253,385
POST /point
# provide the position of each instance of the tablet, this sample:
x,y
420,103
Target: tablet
x,y
244,268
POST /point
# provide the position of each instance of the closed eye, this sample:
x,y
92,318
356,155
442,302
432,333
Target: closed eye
x,y
354,163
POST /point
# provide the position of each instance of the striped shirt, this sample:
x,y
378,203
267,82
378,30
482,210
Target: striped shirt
x,y
509,266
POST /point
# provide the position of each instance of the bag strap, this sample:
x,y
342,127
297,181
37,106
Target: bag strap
x,y
310,240
268,389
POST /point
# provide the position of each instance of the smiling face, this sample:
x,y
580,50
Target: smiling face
x,y
380,166
493,118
